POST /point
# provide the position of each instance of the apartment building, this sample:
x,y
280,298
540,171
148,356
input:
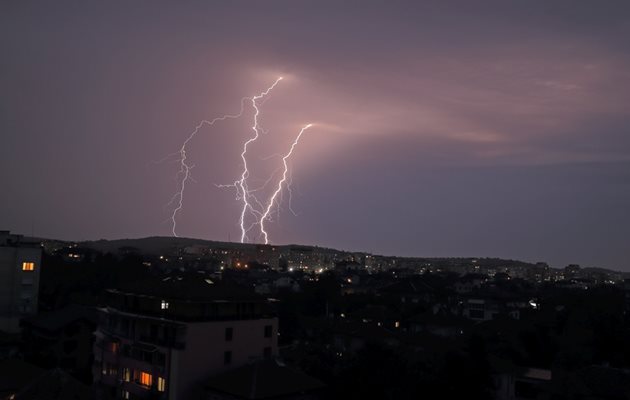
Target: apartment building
x,y
162,338
20,262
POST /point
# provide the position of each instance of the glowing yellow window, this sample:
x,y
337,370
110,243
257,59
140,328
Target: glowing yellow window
x,y
146,379
28,266
161,384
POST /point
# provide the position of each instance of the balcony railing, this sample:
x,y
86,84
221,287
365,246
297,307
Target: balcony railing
x,y
174,344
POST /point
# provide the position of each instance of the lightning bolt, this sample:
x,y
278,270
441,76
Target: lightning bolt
x,y
250,203
272,200
241,183
184,171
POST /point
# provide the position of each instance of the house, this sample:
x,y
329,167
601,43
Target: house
x,y
353,336
597,382
411,291
23,381
441,324
469,282
512,382
61,338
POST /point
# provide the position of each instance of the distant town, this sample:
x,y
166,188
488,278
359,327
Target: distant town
x,y
169,253
177,318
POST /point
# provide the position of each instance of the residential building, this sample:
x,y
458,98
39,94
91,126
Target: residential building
x,y
512,382
20,264
486,308
62,338
161,338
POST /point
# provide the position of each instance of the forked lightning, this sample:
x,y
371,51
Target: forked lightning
x,y
252,206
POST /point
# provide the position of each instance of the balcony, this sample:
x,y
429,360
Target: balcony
x,y
170,343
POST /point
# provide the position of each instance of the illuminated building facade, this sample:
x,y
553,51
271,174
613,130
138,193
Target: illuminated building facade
x,y
20,262
160,339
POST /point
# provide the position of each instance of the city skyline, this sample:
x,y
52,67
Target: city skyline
x,y
453,129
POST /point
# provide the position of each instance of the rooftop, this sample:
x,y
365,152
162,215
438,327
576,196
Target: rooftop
x,y
265,379
191,287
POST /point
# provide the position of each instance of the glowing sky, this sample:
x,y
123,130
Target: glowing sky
x,y
468,128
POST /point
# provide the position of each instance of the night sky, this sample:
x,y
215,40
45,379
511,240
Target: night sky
x,y
471,128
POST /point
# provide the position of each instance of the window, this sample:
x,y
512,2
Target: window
x,y
164,305
109,369
28,266
125,395
228,334
126,374
161,386
227,358
160,359
267,353
113,347
146,379
268,331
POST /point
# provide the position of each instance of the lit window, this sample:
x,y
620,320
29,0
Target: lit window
x,y
146,379
109,369
28,266
126,375
161,386
164,305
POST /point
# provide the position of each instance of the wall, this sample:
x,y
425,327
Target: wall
x,y
206,345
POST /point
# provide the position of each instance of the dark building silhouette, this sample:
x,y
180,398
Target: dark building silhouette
x,y
20,261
